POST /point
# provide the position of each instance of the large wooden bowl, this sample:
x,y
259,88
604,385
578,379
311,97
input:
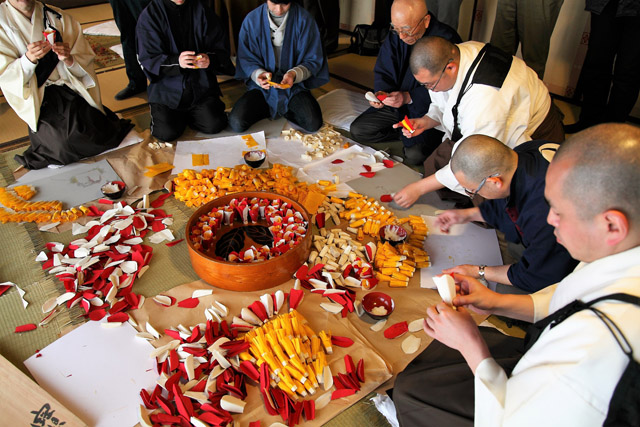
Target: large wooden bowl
x,y
251,276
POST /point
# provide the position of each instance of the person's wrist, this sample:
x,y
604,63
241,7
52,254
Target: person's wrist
x,y
481,271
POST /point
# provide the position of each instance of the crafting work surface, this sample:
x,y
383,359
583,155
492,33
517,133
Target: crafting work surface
x,y
171,267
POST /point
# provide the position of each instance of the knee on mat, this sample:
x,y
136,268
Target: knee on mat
x,y
358,133
311,124
413,155
237,123
166,133
214,125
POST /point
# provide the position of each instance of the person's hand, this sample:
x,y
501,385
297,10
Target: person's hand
x,y
451,327
37,50
474,295
288,78
448,218
464,270
263,80
419,126
395,99
408,195
458,330
64,53
378,104
202,61
187,59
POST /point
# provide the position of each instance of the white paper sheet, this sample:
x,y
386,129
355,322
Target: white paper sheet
x,y
225,151
353,159
117,48
73,184
108,28
465,244
97,373
341,107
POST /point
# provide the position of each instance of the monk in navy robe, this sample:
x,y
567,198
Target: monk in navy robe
x,y
182,47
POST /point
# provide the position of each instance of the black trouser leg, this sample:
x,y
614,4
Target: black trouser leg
x,y
208,115
125,13
304,111
626,72
167,124
437,387
250,108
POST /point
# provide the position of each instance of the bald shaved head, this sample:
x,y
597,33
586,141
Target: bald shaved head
x,y
604,170
479,156
432,53
408,9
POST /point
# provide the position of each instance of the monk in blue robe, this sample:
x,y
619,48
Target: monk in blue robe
x,y
279,43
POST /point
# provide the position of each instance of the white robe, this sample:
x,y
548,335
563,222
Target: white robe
x,y
17,73
510,114
568,376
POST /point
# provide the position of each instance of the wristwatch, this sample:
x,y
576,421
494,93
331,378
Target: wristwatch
x,y
481,271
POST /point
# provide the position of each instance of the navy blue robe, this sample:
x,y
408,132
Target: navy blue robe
x,y
158,53
302,45
392,72
522,217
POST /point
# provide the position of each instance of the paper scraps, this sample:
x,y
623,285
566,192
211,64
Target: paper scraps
x,y
157,169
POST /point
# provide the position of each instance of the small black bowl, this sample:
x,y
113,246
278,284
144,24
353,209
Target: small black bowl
x,y
113,195
394,234
255,159
377,299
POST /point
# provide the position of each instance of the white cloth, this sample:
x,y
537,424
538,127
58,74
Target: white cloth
x,y
510,114
17,74
568,376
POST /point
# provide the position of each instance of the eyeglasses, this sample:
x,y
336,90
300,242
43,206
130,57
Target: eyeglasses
x,y
430,86
405,32
472,194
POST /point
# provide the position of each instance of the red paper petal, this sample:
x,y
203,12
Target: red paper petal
x,y
254,424
320,219
396,330
4,288
250,370
368,174
381,96
96,315
160,200
342,341
175,242
388,163
157,226
360,370
367,168
337,394
337,161
189,303
295,296
118,317
348,364
386,198
26,328
105,201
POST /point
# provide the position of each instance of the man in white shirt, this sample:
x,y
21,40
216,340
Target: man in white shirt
x,y
567,377
475,89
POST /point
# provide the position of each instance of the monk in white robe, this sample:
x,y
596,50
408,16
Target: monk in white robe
x,y
51,84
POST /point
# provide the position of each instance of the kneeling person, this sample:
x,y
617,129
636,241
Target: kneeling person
x,y
512,182
181,47
52,86
279,42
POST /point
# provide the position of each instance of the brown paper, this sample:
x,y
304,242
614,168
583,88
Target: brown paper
x,y
376,369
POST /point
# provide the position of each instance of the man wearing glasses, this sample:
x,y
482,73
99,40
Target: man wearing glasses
x,y
475,89
410,21
512,183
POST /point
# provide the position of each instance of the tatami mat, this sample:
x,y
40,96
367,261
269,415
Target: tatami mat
x,y
355,68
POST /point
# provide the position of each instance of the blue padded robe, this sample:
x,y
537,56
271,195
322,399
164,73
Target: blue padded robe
x,y
392,72
158,53
301,46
